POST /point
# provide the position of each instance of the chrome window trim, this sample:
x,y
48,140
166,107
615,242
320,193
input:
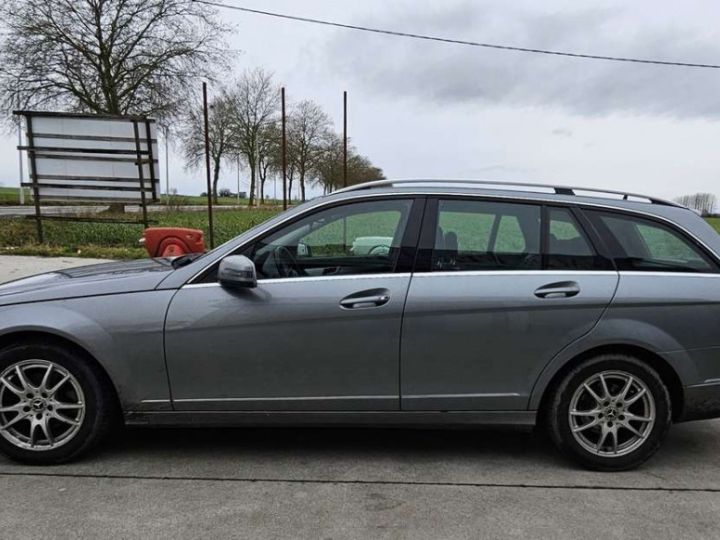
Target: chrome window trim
x,y
305,279
468,273
360,195
461,273
668,274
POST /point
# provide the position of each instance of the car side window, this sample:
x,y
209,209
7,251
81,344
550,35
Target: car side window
x,y
640,244
483,235
568,248
355,238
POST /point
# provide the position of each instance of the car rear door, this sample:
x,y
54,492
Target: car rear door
x,y
501,288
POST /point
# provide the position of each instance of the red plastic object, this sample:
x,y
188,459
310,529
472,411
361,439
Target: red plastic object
x,y
172,241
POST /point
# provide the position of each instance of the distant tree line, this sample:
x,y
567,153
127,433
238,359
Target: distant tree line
x,y
245,127
704,203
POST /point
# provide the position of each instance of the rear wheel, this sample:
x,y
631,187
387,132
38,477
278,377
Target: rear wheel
x,y
54,404
611,413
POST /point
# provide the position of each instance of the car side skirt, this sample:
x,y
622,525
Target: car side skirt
x,y
329,418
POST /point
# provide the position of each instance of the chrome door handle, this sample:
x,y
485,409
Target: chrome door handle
x,y
565,289
365,301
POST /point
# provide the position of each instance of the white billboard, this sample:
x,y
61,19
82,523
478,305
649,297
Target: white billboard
x,y
83,157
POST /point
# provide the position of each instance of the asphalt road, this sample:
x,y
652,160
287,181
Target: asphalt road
x,y
360,483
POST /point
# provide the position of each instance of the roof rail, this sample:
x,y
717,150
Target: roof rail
x,y
558,190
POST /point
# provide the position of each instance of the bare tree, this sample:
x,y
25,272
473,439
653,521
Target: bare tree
x,y
223,145
254,98
268,149
309,128
107,56
329,167
702,202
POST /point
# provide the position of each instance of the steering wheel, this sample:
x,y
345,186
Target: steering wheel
x,y
285,263
379,249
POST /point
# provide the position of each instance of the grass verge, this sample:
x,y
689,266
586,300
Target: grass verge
x,y
115,241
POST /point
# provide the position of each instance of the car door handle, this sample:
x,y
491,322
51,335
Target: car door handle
x,y
565,289
355,302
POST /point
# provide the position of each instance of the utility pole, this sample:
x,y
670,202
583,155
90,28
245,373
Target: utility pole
x,y
166,129
20,163
207,167
284,149
345,139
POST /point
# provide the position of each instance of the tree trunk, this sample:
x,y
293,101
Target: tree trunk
x,y
302,186
216,179
289,186
251,195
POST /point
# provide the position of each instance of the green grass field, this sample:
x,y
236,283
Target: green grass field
x,y
18,235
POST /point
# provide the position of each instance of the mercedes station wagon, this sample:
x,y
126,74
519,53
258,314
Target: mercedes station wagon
x,y
594,315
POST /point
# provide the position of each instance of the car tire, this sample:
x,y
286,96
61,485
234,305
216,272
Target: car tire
x,y
610,413
68,403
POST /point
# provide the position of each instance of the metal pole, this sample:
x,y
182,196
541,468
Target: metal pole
x,y
345,183
141,174
34,178
207,167
20,163
151,162
238,186
284,149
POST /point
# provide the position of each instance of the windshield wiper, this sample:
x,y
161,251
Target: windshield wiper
x,y
183,260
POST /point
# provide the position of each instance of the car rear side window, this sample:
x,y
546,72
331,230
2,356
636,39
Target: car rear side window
x,y
568,247
483,235
639,244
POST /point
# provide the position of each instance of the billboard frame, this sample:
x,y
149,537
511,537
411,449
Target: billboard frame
x,y
138,155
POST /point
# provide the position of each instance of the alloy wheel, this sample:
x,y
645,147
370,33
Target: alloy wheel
x,y
42,405
612,413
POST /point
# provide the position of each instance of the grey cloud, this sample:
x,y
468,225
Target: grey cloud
x,y
562,132
445,73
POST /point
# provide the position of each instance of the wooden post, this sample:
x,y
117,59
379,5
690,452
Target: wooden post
x,y
207,167
345,140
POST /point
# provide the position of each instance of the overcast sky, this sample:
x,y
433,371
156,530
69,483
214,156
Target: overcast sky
x,y
426,109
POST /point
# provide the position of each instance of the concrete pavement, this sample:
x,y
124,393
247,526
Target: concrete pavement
x,y
359,483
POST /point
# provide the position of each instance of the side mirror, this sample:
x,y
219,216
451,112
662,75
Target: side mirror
x,y
237,271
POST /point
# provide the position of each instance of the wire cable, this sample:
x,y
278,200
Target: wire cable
x,y
457,41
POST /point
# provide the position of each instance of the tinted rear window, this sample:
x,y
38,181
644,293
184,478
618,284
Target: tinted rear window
x,y
639,244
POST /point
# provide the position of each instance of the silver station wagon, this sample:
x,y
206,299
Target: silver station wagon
x,y
593,314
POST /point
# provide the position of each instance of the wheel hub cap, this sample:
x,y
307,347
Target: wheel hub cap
x,y
38,404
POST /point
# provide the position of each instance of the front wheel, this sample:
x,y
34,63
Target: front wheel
x,y
54,404
610,413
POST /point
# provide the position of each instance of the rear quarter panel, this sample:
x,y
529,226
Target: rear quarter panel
x,y
675,315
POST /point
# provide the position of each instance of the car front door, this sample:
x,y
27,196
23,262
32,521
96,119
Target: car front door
x,y
504,287
321,331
